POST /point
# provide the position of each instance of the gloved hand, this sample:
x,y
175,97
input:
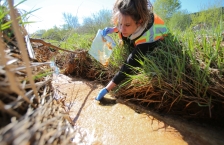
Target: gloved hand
x,y
101,94
107,30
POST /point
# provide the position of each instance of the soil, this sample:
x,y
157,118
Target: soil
x,y
116,122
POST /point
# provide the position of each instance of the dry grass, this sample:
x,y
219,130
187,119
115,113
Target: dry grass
x,y
29,114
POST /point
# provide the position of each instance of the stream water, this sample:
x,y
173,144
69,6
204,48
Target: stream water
x,y
123,123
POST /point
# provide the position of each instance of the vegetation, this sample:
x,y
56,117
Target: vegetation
x,y
184,76
90,25
166,8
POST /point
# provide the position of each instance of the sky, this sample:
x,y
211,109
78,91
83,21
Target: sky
x,y
50,12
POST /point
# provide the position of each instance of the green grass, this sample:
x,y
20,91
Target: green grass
x,y
77,41
188,67
74,42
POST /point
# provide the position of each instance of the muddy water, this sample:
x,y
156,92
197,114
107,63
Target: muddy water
x,y
121,124
118,124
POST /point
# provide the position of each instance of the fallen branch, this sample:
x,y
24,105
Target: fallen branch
x,y
50,45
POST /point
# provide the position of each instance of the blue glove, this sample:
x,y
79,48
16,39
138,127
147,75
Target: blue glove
x,y
101,94
107,30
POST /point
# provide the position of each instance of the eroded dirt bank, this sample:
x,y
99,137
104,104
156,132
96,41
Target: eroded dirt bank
x,y
116,123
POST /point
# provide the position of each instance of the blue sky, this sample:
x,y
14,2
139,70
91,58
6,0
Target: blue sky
x,y
197,5
51,11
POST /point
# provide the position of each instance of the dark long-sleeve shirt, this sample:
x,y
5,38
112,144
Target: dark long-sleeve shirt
x,y
142,49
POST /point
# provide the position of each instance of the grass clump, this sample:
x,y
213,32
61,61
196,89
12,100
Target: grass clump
x,y
184,76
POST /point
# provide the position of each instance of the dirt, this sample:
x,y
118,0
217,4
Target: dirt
x,y
115,122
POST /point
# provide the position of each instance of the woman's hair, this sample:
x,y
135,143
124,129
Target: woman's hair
x,y
137,9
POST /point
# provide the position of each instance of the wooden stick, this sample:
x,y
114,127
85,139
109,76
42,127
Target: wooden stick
x,y
50,45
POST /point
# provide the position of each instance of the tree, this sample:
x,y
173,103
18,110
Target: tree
x,y
180,20
53,34
209,16
166,8
88,25
102,18
97,21
70,20
39,33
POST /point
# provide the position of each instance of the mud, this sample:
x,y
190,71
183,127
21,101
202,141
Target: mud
x,y
115,122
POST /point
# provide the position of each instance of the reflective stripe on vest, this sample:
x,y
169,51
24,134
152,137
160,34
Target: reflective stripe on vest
x,y
156,32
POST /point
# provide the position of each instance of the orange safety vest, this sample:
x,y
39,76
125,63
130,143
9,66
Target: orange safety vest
x,y
156,32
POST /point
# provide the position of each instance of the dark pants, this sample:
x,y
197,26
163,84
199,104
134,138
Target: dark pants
x,y
131,61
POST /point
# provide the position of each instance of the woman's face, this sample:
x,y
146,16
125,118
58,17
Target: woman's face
x,y
127,25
